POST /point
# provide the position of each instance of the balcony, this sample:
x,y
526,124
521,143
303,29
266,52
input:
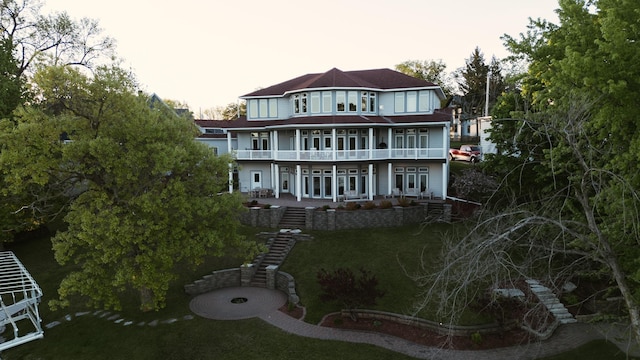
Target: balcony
x,y
343,155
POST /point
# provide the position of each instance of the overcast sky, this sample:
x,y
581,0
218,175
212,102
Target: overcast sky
x,y
209,52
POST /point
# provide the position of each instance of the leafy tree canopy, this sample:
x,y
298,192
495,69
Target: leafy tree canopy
x,y
580,138
142,195
428,70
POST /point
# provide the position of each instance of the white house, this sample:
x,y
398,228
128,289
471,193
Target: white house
x,y
367,132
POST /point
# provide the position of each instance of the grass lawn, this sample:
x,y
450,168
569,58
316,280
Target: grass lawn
x,y
379,250
392,254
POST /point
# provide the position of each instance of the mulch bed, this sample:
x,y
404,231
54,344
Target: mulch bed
x,y
418,335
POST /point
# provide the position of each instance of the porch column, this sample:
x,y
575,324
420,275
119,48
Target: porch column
x,y
298,182
297,144
276,144
445,175
334,146
370,178
229,146
445,140
334,180
390,143
389,176
276,185
371,143
271,175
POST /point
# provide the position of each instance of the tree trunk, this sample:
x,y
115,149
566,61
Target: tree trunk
x,y
608,255
632,307
147,299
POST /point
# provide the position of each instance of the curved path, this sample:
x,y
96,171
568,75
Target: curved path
x,y
229,304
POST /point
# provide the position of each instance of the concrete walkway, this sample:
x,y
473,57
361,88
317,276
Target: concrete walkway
x,y
264,303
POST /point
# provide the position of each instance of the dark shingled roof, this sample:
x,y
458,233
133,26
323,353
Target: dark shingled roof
x,y
382,79
333,120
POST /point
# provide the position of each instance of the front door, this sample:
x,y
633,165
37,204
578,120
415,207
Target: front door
x,y
284,180
256,179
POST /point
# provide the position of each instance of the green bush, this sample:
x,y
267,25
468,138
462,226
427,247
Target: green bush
x,y
351,291
476,338
386,204
369,205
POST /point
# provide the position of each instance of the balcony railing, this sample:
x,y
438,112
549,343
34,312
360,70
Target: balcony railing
x,y
343,155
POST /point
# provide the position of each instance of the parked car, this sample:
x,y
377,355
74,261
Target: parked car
x,y
471,153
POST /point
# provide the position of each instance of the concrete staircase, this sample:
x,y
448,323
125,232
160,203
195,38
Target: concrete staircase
x,y
279,247
293,218
551,302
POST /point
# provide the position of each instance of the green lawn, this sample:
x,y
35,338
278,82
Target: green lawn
x,y
380,250
392,254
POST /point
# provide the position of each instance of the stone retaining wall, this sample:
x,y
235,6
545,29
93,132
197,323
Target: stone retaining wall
x,y
261,217
332,219
241,276
454,330
216,280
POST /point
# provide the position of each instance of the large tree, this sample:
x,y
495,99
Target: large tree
x,y
143,196
472,82
573,158
561,236
53,39
29,38
11,85
428,70
12,88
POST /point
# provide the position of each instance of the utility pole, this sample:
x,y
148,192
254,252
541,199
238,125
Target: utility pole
x,y
486,98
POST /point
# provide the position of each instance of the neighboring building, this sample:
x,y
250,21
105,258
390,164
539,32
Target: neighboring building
x,y
485,126
339,133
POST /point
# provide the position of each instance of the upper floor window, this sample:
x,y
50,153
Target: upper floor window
x,y
399,102
353,101
315,102
424,101
413,101
263,108
368,101
214,131
340,101
300,103
260,141
326,101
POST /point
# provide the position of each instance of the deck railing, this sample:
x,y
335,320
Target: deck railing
x,y
343,155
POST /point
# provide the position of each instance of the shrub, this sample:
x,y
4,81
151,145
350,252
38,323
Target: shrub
x,y
326,207
352,206
404,202
385,204
253,202
476,338
369,205
266,206
348,289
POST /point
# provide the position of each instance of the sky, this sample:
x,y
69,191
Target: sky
x,y
207,53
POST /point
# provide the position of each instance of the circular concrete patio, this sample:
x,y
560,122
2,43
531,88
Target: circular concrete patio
x,y
237,303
